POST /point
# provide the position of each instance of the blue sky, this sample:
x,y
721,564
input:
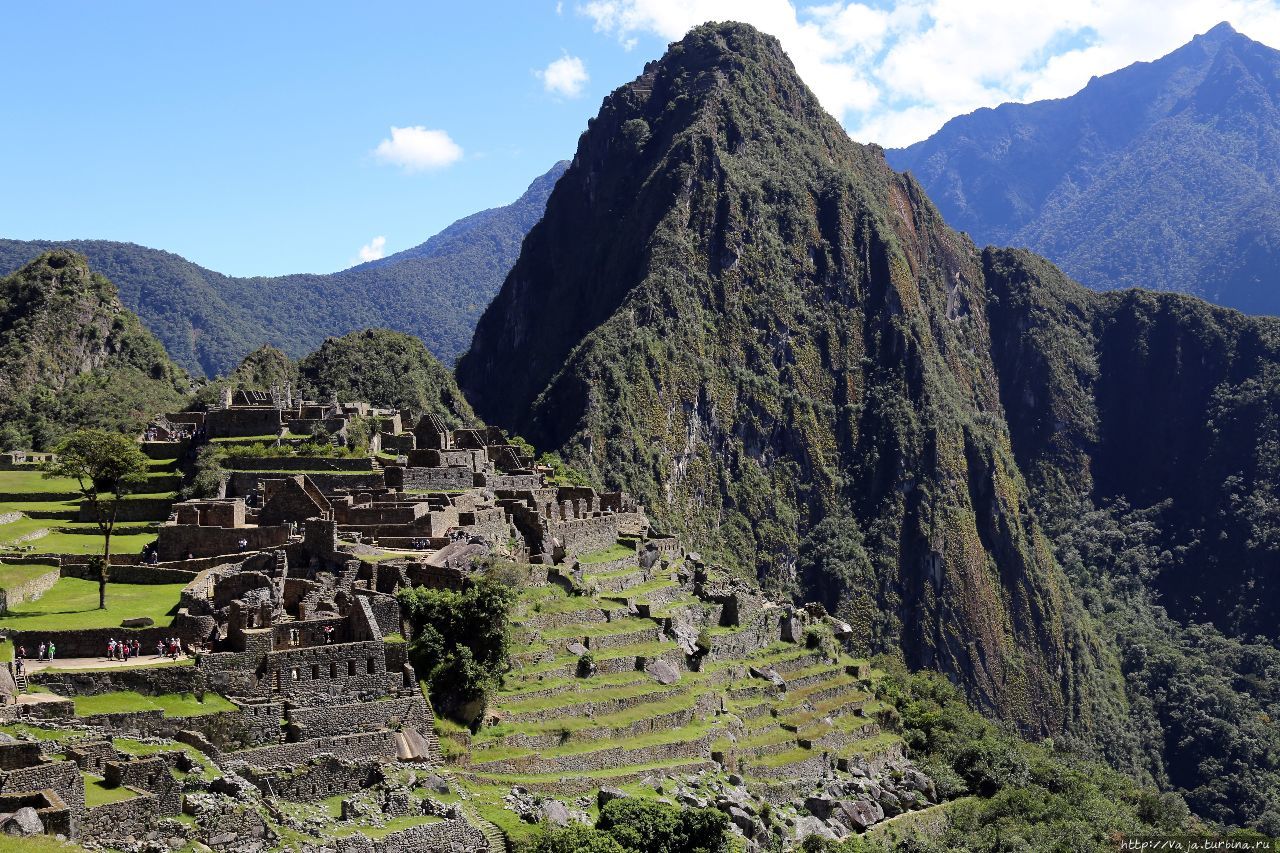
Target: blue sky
x,y
257,138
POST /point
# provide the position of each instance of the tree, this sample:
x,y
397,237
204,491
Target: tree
x,y
107,466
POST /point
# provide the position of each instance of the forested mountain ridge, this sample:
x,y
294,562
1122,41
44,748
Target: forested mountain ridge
x,y
71,355
735,312
1162,175
208,321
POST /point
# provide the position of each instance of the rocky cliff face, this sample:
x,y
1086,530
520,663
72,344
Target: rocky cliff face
x,y
737,313
72,355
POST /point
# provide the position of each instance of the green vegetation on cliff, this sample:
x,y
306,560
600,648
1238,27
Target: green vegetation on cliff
x,y
72,356
749,321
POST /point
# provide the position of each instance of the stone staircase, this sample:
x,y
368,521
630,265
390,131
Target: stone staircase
x,y
496,837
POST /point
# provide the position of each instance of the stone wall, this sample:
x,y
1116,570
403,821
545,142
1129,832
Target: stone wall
x,y
347,747
28,591
297,463
241,483
446,836
509,481
385,609
150,681
140,574
320,777
177,540
311,673
351,718
132,509
243,422
120,819
436,479
149,774
92,642
62,777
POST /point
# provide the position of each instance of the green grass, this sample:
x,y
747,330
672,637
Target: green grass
x,y
37,844
208,770
172,704
34,481
73,603
11,575
19,730
97,792
607,555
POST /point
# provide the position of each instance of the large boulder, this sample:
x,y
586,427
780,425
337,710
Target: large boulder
x,y
662,672
25,821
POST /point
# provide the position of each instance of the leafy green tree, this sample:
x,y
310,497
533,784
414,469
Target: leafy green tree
x,y
647,826
575,839
461,639
106,466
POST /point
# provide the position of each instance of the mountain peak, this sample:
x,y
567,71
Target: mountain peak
x,y
1220,33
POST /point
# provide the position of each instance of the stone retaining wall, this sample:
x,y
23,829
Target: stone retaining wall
x,y
132,509
28,591
446,836
296,463
92,642
120,819
129,574
347,747
331,720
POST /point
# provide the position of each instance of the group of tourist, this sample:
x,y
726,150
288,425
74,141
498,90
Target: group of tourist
x,y
418,544
123,650
169,648
45,652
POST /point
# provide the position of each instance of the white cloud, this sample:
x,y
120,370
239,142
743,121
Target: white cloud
x,y
894,72
373,250
566,76
415,149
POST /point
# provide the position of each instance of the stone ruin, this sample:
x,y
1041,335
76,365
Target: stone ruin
x,y
293,623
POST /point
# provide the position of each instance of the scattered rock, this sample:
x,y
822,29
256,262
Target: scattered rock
x,y
608,795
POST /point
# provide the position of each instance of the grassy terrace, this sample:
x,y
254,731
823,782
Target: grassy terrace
x,y
824,700
14,575
172,704
617,551
97,792
73,603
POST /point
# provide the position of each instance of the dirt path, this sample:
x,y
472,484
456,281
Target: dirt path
x,y
96,663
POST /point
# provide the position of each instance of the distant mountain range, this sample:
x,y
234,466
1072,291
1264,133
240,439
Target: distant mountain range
x,y
1163,175
208,322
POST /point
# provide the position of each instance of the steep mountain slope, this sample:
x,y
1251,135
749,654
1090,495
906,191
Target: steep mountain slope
x,y
750,321
1158,400
71,355
209,321
386,369
1161,175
